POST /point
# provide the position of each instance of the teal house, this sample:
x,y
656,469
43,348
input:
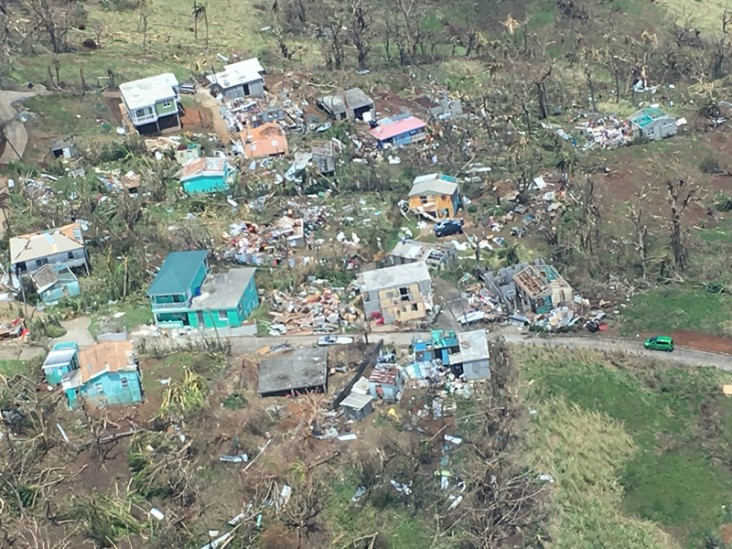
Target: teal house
x,y
53,282
63,358
206,175
108,375
184,293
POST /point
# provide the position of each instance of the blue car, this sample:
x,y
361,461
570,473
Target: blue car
x,y
448,227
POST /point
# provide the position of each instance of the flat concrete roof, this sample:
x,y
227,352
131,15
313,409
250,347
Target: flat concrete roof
x,y
356,401
223,290
398,275
148,91
473,345
298,371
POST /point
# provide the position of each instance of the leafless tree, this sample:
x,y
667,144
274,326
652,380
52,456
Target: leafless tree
x,y
680,195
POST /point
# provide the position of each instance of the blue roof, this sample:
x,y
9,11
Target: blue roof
x,y
177,273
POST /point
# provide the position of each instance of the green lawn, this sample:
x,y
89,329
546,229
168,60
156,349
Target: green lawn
x,y
134,315
10,368
72,115
630,443
669,308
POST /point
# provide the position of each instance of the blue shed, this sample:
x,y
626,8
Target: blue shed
x,y
206,175
63,359
386,382
108,375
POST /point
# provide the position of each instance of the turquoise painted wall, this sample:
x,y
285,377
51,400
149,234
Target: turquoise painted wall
x,y
53,295
206,184
108,389
54,375
233,317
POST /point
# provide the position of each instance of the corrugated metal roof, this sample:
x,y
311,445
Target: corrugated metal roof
x,y
392,128
177,272
43,244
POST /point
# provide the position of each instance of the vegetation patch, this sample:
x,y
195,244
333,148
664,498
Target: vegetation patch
x,y
626,436
670,308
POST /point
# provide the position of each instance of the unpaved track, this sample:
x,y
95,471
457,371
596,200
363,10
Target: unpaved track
x,y
15,131
681,355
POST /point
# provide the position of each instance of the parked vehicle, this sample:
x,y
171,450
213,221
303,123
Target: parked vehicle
x,y
448,227
326,341
659,343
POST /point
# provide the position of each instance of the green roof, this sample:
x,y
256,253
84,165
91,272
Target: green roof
x,y
177,273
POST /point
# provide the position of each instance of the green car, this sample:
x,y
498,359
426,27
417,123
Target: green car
x,y
659,343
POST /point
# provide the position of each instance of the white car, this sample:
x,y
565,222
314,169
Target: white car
x,y
326,341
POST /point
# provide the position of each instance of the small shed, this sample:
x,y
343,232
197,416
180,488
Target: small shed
x,y
356,406
237,80
353,103
301,371
474,355
652,123
386,382
63,359
62,148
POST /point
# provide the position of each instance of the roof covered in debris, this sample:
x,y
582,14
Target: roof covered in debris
x,y
398,275
266,140
223,291
148,91
389,128
177,272
107,356
473,345
207,166
433,184
46,243
535,279
298,371
236,74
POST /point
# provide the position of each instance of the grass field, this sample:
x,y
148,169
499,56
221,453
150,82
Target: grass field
x,y
639,451
670,308
10,368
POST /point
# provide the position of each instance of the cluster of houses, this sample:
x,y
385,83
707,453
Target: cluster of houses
x,y
153,105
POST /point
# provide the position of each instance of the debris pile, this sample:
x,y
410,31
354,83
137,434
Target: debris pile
x,y
315,309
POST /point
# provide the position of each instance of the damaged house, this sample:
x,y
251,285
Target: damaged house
x,y
108,374
351,104
59,246
465,353
54,282
184,293
541,288
238,80
400,293
441,107
324,157
653,124
266,140
435,195
152,103
206,175
436,256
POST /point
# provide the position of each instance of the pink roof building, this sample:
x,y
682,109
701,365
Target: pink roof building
x,y
402,130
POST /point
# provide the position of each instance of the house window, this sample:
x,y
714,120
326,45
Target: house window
x,y
404,293
99,388
424,199
140,113
167,103
70,255
41,262
223,315
124,383
415,307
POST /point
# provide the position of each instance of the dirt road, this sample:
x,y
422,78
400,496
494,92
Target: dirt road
x,y
15,133
681,355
